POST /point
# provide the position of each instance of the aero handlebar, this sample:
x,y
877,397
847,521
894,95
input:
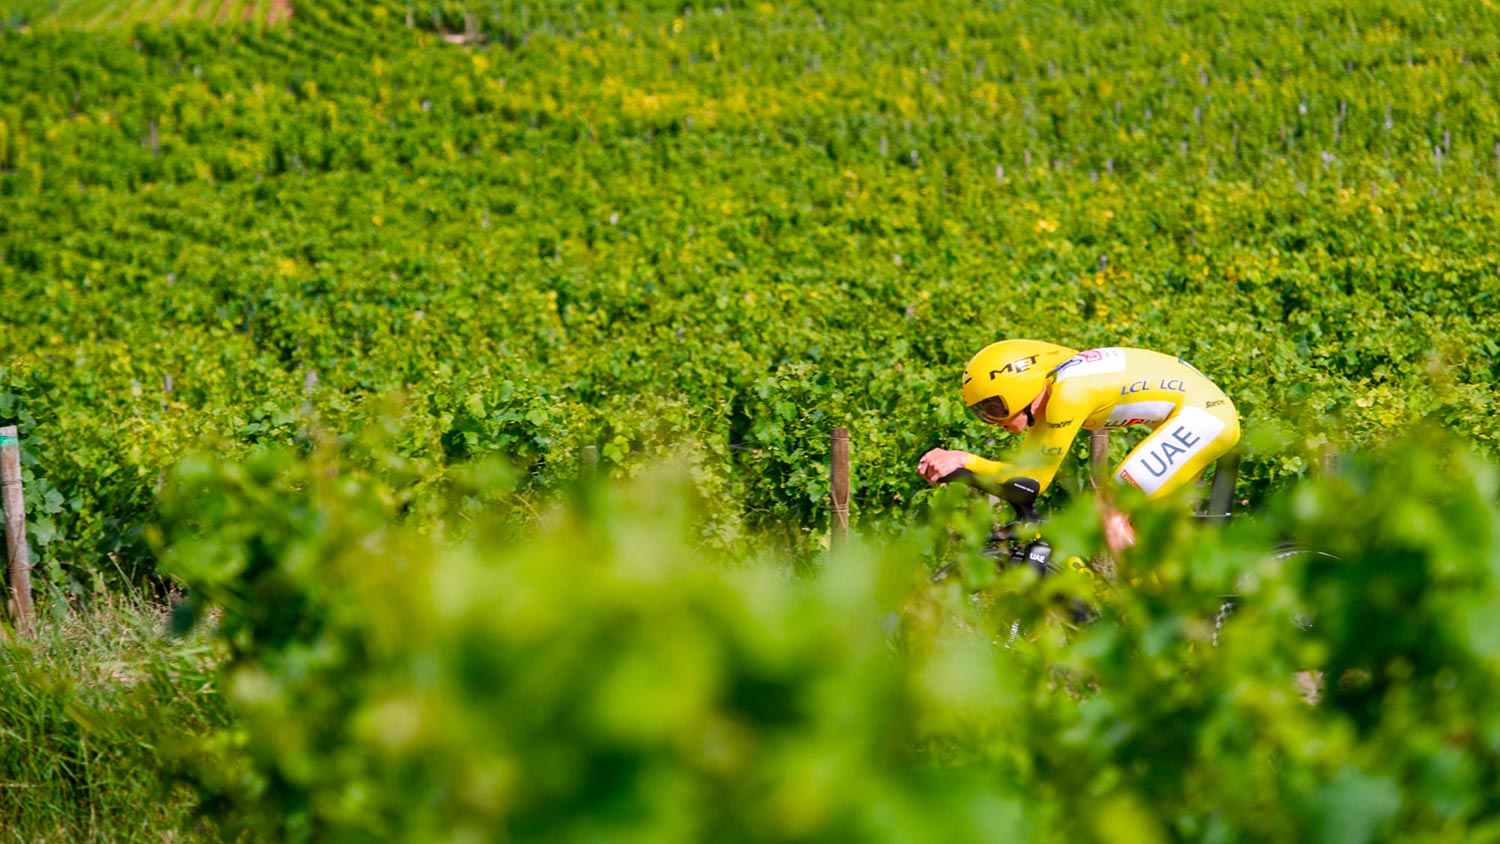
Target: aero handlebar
x,y
1019,493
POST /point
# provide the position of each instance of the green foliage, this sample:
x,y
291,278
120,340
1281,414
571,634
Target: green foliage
x,y
395,266
607,677
736,227
93,14
598,679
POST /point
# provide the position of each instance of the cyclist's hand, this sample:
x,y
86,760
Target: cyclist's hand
x,y
1118,534
939,463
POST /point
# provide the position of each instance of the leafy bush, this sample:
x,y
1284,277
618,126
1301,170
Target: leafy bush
x,y
397,287
633,225
605,675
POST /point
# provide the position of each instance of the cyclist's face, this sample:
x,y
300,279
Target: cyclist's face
x,y
994,412
991,411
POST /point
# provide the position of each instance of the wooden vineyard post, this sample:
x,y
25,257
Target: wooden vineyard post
x,y
15,528
1328,461
839,488
1098,457
588,463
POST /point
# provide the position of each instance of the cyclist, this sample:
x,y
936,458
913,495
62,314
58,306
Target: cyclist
x,y
1049,392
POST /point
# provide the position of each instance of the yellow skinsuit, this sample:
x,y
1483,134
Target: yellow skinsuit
x,y
1192,421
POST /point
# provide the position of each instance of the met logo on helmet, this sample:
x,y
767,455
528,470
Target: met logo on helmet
x,y
1018,365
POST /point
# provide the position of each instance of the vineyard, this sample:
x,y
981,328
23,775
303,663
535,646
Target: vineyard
x,y
315,315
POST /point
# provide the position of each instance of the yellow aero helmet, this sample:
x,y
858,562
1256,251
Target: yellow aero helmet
x,y
1005,377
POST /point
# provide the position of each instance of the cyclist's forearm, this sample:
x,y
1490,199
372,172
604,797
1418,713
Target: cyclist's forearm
x,y
991,474
987,468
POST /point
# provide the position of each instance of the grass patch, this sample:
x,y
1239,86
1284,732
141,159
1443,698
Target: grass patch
x,y
87,711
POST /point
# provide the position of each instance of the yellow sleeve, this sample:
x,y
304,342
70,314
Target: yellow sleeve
x,y
1040,456
988,469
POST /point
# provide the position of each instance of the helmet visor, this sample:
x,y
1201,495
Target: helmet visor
x,y
992,410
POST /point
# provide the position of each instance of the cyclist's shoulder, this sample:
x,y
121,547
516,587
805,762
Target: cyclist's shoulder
x,y
1090,362
1113,360
1080,389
